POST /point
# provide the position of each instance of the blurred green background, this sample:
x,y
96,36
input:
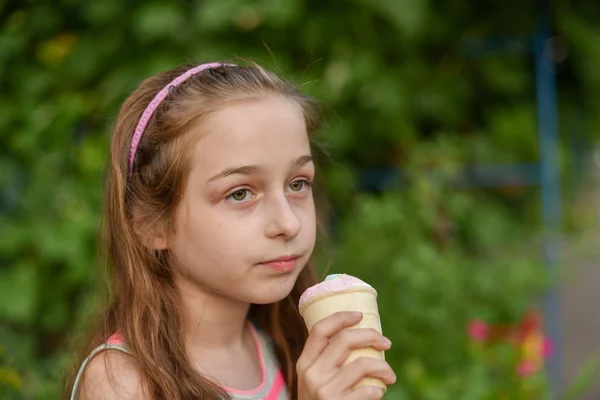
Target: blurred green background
x,y
458,269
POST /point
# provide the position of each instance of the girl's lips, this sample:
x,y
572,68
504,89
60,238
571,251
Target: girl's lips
x,y
282,264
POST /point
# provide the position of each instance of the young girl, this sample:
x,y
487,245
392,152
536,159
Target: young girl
x,y
209,227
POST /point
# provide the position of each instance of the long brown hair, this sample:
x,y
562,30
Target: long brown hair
x,y
144,304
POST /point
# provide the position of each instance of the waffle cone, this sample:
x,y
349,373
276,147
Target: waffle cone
x,y
358,299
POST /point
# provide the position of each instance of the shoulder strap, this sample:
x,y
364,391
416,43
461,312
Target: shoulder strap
x,y
274,375
104,347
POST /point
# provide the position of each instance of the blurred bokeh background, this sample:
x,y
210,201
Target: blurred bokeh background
x,y
461,179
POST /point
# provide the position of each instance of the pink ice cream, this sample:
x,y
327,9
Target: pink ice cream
x,y
338,293
333,283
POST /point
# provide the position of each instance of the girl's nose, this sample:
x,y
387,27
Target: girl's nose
x,y
283,220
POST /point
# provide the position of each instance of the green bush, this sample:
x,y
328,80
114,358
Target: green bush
x,y
441,258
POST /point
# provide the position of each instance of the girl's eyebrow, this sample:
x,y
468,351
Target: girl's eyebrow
x,y
253,169
303,160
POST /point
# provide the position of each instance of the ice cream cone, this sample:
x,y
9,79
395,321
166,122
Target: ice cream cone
x,y
331,298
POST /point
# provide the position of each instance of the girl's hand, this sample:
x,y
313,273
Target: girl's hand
x,y
321,375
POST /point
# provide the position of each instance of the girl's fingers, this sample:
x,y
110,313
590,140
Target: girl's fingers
x,y
365,392
320,334
344,342
350,374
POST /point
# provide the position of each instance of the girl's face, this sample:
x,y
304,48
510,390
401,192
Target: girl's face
x,y
246,225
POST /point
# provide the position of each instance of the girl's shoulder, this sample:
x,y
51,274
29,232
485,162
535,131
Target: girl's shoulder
x,y
112,375
109,372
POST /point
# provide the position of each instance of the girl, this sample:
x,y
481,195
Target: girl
x,y
209,227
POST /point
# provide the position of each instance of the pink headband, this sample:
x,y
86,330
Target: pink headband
x,y
151,108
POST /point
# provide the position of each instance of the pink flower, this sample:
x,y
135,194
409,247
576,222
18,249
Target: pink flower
x,y
478,330
527,368
547,348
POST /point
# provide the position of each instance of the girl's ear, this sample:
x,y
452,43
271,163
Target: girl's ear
x,y
160,240
152,234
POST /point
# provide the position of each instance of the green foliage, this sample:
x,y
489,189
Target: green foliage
x,y
10,382
587,375
439,259
399,92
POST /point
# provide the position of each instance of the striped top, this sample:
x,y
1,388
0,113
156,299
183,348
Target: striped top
x,y
271,387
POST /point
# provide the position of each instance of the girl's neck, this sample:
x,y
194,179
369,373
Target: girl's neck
x,y
218,341
211,321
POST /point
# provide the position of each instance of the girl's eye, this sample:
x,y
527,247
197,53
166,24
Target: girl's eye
x,y
239,195
299,185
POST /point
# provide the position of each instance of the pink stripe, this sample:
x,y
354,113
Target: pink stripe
x,y
277,387
263,368
117,338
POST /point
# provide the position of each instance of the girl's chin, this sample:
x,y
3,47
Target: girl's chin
x,y
273,292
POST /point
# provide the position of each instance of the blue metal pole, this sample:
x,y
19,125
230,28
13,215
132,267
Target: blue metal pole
x,y
547,116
